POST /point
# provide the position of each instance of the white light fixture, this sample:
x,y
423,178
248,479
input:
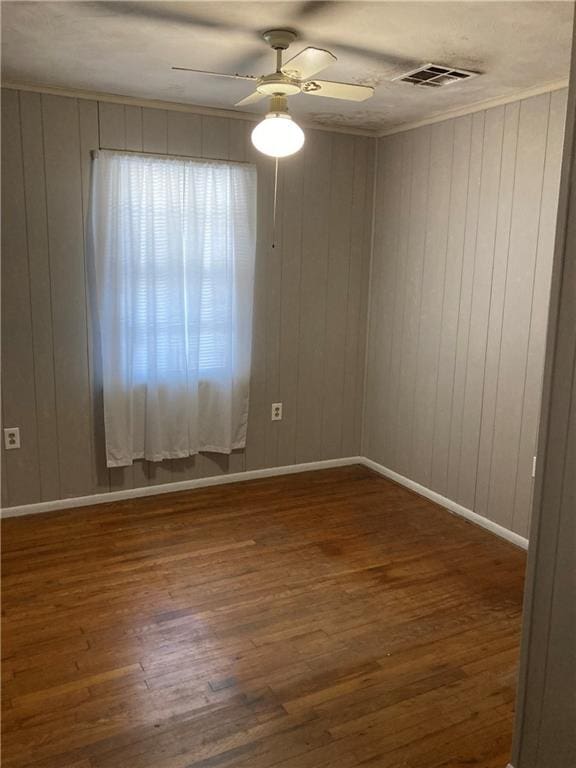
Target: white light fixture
x,y
278,135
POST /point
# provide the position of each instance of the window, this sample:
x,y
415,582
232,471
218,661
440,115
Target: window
x,y
173,247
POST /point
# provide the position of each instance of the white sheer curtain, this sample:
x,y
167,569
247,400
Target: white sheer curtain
x,y
173,248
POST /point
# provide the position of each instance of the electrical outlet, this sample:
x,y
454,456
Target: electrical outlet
x,y
11,438
276,411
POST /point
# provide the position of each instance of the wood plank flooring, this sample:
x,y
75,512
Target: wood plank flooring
x,y
325,620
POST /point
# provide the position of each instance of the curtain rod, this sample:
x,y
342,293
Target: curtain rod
x,y
164,155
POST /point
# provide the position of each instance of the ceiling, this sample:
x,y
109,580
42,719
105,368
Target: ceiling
x,y
127,48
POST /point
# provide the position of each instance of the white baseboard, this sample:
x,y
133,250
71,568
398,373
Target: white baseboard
x,y
183,485
448,504
255,474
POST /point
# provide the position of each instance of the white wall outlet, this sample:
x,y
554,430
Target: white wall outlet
x,y
11,438
276,411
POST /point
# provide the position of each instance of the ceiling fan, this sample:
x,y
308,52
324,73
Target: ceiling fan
x,y
278,135
294,76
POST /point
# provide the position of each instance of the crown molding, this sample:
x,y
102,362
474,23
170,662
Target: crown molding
x,y
176,106
173,106
478,106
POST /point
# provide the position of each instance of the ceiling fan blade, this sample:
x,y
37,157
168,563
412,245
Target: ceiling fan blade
x,y
215,74
313,8
255,60
158,12
252,99
346,91
308,62
382,58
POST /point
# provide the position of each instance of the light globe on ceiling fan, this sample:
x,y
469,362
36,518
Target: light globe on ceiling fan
x,y
278,135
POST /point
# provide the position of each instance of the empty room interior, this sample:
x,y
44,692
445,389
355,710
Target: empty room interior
x,y
288,384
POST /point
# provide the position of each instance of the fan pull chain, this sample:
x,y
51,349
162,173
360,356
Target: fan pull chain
x,y
275,201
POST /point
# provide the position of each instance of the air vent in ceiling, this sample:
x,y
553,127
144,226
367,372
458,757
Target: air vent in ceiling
x,y
435,76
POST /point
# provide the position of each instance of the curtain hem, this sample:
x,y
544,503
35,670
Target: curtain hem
x,y
155,458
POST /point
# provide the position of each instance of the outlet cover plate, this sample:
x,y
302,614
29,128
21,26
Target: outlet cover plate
x,y
11,438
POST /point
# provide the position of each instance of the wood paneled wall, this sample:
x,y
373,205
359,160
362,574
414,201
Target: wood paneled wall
x,y
545,733
464,229
310,294
465,219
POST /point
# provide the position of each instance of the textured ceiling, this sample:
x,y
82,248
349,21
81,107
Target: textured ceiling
x,y
127,48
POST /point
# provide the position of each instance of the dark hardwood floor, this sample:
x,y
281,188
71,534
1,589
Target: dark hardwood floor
x,y
325,620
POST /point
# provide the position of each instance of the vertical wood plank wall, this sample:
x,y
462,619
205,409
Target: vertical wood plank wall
x,y
546,700
464,219
310,294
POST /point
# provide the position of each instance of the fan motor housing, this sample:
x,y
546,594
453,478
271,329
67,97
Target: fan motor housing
x,y
279,38
278,83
